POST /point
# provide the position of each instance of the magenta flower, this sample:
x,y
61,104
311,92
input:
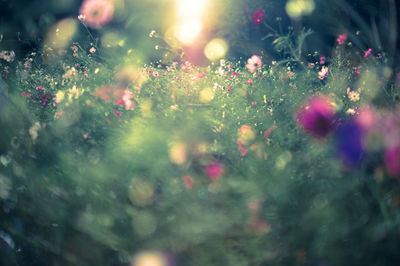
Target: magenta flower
x,y
317,117
96,13
258,16
214,170
254,63
392,161
368,53
341,39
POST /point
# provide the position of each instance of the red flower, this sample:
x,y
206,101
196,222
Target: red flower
x,y
258,16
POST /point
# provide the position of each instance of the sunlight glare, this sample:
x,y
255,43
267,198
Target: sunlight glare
x,y
189,15
188,30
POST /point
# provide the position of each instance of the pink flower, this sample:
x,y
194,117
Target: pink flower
x,y
269,131
92,50
368,53
322,74
214,170
258,16
117,113
317,117
25,94
322,60
96,13
357,71
341,39
254,63
188,181
249,81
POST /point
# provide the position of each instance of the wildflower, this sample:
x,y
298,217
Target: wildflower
x,y
246,134
350,143
27,65
92,50
357,71
269,131
8,56
97,13
258,16
341,39
254,63
354,96
117,114
368,53
74,48
188,181
392,161
322,60
317,117
33,130
127,100
82,17
351,111
152,33
249,81
214,170
323,73
60,95
26,94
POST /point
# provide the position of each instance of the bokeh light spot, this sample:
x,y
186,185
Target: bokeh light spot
x,y
216,49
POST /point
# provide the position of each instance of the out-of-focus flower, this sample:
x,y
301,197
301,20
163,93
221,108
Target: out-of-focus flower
x,y
92,50
60,95
341,39
246,134
357,71
350,143
214,170
258,16
249,81
322,60
254,63
188,181
392,161
317,117
351,111
368,53
33,130
8,56
269,131
117,113
323,73
26,94
70,73
96,13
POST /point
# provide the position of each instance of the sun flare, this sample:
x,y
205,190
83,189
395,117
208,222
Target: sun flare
x,y
189,19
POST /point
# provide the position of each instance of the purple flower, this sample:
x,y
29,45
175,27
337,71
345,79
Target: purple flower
x,y
350,146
